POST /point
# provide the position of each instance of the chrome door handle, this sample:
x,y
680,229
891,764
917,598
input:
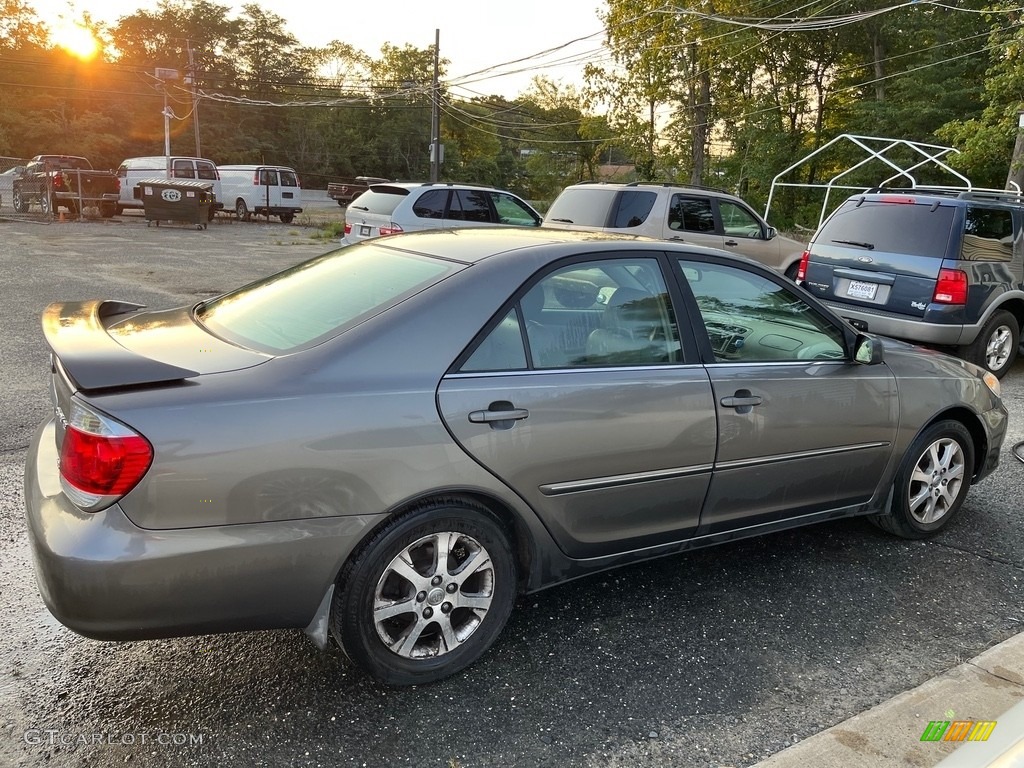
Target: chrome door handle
x,y
743,401
486,417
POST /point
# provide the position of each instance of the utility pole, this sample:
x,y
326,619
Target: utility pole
x,y
195,102
436,148
163,75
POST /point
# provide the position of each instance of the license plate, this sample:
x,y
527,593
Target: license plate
x,y
859,290
364,231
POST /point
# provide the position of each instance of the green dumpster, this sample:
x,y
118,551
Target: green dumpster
x,y
180,200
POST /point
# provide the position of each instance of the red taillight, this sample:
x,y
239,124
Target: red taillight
x,y
348,228
899,200
256,178
392,229
801,271
951,287
58,181
100,459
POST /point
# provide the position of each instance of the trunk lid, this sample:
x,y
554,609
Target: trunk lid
x,y
104,344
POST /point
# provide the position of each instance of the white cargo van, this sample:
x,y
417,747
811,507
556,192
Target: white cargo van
x,y
266,190
135,169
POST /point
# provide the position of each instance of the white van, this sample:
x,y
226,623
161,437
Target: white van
x,y
135,169
266,190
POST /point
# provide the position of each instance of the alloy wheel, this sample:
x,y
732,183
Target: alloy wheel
x,y
433,595
936,480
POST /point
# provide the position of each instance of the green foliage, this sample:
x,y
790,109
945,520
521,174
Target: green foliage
x,y
687,97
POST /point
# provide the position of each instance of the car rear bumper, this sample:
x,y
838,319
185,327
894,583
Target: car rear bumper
x,y
103,577
909,329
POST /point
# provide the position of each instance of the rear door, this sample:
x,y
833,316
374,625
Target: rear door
x,y
470,208
882,254
584,397
291,193
270,189
691,219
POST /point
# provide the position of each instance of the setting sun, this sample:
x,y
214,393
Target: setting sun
x,y
76,39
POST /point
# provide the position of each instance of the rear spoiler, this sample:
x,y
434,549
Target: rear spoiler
x,y
75,332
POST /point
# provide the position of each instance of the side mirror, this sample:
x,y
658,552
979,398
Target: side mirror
x,y
770,233
868,350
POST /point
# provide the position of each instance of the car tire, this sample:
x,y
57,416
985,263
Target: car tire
x,y
242,210
19,202
108,210
995,349
287,218
440,618
932,482
46,204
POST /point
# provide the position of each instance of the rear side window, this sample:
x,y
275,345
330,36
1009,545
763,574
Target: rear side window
x,y
380,200
430,205
320,298
633,209
916,229
691,214
183,169
470,206
988,235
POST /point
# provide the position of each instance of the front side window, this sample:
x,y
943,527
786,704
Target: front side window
x,y
511,210
320,298
751,319
737,221
691,214
988,235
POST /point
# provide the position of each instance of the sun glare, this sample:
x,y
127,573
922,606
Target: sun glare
x,y
76,39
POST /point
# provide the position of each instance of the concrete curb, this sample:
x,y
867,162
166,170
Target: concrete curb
x,y
988,687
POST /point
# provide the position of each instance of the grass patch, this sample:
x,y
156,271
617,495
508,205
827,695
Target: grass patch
x,y
329,231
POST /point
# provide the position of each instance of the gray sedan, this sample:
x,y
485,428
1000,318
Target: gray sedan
x,y
389,443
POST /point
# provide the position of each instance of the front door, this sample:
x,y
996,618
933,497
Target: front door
x,y
801,428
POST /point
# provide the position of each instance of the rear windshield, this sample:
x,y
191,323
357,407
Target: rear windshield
x,y
382,200
586,207
916,229
320,298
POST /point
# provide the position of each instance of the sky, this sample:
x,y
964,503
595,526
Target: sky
x,y
470,40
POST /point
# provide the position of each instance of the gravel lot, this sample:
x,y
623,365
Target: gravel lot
x,y
716,658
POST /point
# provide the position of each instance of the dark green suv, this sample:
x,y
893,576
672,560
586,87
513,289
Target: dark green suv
x,y
936,267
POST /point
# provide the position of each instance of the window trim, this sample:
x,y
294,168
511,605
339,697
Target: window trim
x,y
689,347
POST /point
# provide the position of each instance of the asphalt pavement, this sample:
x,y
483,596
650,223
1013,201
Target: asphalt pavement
x,y
831,645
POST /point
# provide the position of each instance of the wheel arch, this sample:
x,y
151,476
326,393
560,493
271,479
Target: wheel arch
x,y
518,532
1013,305
972,423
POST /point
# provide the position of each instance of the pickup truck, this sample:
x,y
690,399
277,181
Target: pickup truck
x,y
344,192
65,180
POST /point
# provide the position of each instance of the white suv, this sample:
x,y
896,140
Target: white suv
x,y
691,214
395,207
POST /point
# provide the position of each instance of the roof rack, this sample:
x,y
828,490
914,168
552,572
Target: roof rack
x,y
673,184
456,183
973,193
